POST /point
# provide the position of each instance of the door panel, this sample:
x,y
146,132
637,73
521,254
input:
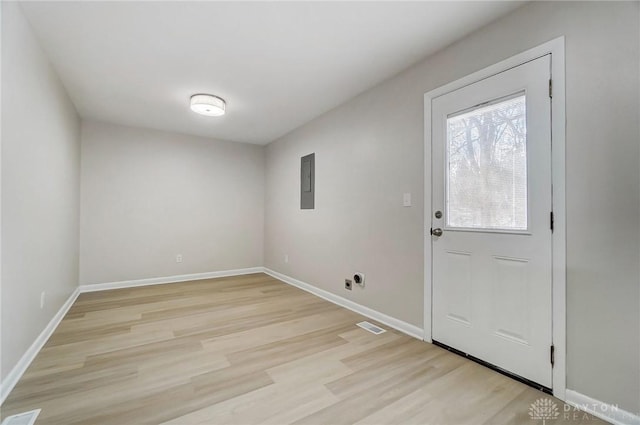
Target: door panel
x,y
491,176
459,291
510,315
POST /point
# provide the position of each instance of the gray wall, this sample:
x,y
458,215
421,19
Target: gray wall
x,y
40,189
369,151
149,195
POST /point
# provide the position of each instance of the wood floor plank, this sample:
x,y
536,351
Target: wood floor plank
x,y
252,350
468,395
276,404
368,399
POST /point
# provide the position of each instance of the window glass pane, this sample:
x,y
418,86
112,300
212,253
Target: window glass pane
x,y
487,166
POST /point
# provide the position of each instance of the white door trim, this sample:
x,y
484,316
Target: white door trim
x,y
556,48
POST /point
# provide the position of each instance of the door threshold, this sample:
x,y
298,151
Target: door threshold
x,y
504,372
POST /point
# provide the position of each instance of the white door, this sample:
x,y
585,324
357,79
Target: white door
x,y
491,177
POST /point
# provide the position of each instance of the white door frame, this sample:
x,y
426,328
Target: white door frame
x,y
559,275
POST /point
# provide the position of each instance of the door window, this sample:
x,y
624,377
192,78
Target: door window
x,y
486,150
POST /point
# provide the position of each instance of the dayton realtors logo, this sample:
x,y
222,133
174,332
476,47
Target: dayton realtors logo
x,y
545,409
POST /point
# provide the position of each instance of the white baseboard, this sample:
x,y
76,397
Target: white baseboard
x,y
605,411
397,324
18,370
167,279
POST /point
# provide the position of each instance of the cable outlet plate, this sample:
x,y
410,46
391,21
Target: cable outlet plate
x,y
348,284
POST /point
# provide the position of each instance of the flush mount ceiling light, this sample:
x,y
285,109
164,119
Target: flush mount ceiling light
x,y
208,104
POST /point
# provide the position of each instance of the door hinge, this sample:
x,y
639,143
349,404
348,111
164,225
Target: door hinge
x,y
551,221
550,88
553,355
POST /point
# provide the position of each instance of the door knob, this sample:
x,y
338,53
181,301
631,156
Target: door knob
x,y
436,232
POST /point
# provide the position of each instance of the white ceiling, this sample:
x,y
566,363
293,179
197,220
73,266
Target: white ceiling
x,y
277,64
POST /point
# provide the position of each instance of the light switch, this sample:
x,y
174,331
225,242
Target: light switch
x,y
406,200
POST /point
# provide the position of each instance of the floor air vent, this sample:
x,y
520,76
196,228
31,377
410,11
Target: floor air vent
x,y
26,418
371,328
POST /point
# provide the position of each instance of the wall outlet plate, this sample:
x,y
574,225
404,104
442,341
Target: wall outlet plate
x,y
348,284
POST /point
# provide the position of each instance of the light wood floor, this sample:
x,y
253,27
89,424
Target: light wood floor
x,y
252,350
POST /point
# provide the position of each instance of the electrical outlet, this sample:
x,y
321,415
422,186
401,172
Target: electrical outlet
x,y
179,258
286,258
348,284
42,295
406,199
